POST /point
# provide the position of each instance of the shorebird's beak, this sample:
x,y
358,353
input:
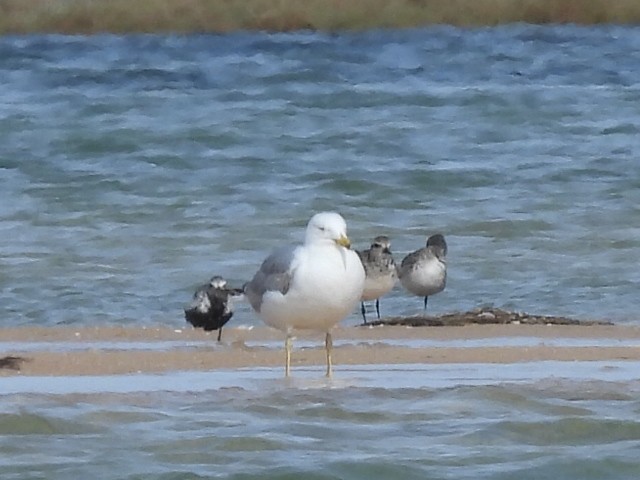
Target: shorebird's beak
x,y
344,241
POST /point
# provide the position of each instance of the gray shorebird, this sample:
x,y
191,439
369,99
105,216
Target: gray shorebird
x,y
312,286
424,272
381,272
212,305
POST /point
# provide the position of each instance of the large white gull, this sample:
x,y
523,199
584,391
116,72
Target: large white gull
x,y
310,286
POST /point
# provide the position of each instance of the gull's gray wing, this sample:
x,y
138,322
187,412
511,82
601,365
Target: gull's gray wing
x,y
275,274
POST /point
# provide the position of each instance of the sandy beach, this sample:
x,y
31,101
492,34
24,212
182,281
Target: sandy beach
x,y
148,16
111,350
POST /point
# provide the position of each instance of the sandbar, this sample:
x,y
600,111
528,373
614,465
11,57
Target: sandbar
x,y
111,350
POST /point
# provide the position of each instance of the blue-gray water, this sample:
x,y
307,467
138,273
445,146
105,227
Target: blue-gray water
x,y
134,168
437,422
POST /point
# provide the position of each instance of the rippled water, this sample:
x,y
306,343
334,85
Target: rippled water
x,y
133,168
463,422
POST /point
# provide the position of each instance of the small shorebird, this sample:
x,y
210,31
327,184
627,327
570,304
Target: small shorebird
x,y
424,272
381,272
311,286
211,307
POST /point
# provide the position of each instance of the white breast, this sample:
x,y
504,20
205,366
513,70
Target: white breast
x,y
425,278
377,286
327,284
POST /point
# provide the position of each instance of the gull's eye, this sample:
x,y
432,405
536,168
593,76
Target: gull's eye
x,y
322,229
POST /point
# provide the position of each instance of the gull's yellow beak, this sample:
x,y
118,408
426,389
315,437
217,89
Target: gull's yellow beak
x,y
344,241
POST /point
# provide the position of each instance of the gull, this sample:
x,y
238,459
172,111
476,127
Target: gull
x,y
312,286
424,272
212,305
381,272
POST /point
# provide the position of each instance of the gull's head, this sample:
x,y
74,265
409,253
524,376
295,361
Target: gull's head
x,y
217,282
327,227
381,243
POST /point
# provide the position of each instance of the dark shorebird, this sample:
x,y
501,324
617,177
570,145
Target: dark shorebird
x,y
11,362
312,286
424,272
212,305
380,270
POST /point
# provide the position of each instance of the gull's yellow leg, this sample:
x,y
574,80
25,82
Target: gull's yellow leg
x,y
328,345
287,347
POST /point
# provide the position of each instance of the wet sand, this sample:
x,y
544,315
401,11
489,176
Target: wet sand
x,y
199,16
112,350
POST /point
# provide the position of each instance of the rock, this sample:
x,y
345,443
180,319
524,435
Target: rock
x,y
488,316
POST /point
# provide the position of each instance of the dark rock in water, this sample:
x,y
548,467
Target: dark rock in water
x,y
11,362
212,305
484,316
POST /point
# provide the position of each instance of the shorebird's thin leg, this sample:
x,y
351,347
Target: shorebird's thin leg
x,y
328,344
287,348
425,303
364,312
219,333
378,307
